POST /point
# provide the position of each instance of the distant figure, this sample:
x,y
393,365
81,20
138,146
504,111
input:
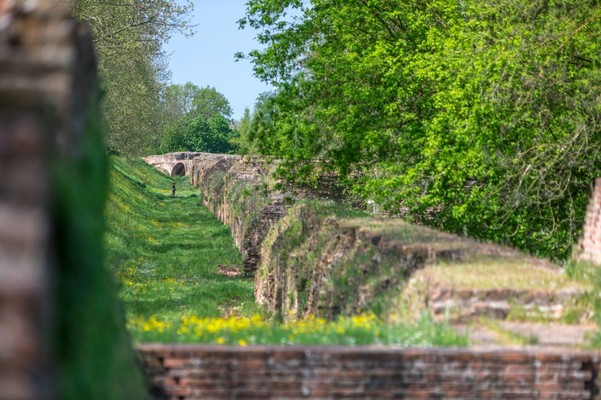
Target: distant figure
x,y
173,190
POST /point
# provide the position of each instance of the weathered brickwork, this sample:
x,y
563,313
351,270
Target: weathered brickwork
x,y
589,248
182,372
236,191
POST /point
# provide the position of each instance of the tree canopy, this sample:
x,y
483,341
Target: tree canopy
x,y
199,120
477,116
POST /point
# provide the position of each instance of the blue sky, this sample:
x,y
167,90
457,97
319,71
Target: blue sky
x,y
207,58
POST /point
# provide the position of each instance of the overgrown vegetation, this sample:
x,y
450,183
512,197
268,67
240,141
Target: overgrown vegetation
x,y
587,273
167,253
349,331
476,117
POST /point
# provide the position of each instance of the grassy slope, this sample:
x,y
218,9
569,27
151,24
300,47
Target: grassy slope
x,y
165,251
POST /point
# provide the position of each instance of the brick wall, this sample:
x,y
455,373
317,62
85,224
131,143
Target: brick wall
x,y
181,372
589,247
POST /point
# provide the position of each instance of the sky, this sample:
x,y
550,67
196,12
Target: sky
x,y
207,58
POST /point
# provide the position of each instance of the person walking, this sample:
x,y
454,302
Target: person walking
x,y
173,190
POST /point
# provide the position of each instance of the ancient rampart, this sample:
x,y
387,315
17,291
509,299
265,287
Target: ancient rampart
x,y
313,256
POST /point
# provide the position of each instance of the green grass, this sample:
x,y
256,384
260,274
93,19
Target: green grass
x,y
165,253
588,273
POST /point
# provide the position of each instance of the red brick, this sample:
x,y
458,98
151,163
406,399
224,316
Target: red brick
x,y
514,357
489,375
176,362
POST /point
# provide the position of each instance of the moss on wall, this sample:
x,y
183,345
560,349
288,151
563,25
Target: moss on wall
x,y
316,260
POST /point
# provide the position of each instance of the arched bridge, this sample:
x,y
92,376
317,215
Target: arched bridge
x,y
173,164
178,164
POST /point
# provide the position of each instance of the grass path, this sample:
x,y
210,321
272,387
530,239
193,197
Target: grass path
x,y
166,251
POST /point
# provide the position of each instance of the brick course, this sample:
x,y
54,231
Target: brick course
x,y
184,372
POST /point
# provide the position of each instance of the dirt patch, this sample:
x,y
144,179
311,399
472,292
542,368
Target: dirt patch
x,y
229,270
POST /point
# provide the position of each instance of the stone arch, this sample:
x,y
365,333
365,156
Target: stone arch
x,y
178,170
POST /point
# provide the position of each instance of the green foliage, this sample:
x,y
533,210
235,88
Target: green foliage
x,y
198,134
208,103
198,120
477,117
189,101
243,128
128,39
92,348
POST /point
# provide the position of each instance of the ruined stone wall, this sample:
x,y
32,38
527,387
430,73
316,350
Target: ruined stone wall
x,y
240,193
589,247
268,372
311,256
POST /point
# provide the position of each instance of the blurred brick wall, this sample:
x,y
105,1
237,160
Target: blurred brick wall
x,y
182,372
47,70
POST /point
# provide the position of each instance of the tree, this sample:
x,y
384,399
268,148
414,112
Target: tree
x,y
198,120
178,101
198,134
221,136
208,102
128,38
476,117
242,141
